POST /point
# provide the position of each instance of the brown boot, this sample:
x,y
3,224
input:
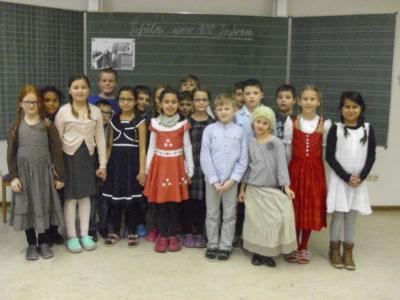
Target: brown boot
x,y
334,255
348,256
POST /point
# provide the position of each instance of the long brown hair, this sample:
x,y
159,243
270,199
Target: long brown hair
x,y
25,90
73,78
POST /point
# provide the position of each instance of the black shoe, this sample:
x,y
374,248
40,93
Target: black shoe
x,y
269,261
257,260
211,253
223,254
56,238
93,234
103,233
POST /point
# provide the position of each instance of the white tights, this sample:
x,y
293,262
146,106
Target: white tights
x,y
70,216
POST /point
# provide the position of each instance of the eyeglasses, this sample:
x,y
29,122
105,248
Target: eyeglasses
x,y
107,113
126,99
200,100
29,103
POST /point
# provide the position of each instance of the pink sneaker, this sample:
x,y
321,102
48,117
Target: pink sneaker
x,y
174,244
162,244
152,235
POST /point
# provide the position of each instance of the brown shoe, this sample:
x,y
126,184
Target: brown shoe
x,y
348,256
334,255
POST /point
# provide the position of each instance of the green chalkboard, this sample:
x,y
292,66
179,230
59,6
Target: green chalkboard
x,y
41,46
347,53
220,50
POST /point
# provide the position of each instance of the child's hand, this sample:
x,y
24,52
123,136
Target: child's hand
x,y
289,192
16,185
218,187
227,185
141,178
355,180
101,173
59,184
242,196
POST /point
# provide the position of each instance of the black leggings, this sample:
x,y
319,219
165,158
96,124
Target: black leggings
x,y
42,238
167,215
239,219
132,211
194,215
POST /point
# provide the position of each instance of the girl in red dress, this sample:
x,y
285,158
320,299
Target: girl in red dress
x,y
306,168
169,167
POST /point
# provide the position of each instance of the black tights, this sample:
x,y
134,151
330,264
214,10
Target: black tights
x,y
42,238
167,214
132,215
194,215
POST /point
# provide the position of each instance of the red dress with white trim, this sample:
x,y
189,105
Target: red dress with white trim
x,y
307,177
167,179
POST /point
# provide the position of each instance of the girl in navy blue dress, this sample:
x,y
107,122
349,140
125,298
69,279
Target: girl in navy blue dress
x,y
126,167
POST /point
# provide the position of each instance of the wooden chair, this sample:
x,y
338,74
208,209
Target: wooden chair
x,y
5,181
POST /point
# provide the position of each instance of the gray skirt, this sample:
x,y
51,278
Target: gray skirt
x,y
269,227
80,174
38,205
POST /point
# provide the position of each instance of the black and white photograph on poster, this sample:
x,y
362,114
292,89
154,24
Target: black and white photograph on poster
x,y
118,54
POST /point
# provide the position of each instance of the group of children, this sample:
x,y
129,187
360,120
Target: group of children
x,y
168,167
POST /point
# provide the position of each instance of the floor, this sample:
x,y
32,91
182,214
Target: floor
x,y
140,273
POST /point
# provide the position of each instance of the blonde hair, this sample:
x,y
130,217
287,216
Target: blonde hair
x,y
314,88
223,99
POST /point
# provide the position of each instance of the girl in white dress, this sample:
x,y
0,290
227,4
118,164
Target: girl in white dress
x,y
350,152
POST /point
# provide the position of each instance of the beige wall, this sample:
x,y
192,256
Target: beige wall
x,y
298,8
384,191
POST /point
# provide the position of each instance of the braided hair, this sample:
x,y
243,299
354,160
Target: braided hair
x,y
358,99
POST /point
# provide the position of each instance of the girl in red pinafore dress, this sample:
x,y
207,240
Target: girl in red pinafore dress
x,y
307,173
169,167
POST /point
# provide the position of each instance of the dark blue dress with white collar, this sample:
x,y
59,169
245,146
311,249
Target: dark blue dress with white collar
x,y
123,165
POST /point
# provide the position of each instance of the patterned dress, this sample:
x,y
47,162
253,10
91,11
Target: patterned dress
x,y
307,177
197,188
167,179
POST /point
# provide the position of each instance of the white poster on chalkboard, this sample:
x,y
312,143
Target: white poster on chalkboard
x,y
118,54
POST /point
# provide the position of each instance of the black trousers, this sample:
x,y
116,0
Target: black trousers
x,y
194,215
239,219
167,215
132,212
33,240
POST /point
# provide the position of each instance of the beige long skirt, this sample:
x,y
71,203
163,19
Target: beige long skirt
x,y
269,226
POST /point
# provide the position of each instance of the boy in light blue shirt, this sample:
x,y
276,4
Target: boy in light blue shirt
x,y
253,95
223,160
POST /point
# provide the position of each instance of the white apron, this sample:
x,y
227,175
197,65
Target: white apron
x,y
352,155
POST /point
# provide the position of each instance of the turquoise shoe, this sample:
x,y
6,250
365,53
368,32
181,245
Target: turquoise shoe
x,y
87,243
74,246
